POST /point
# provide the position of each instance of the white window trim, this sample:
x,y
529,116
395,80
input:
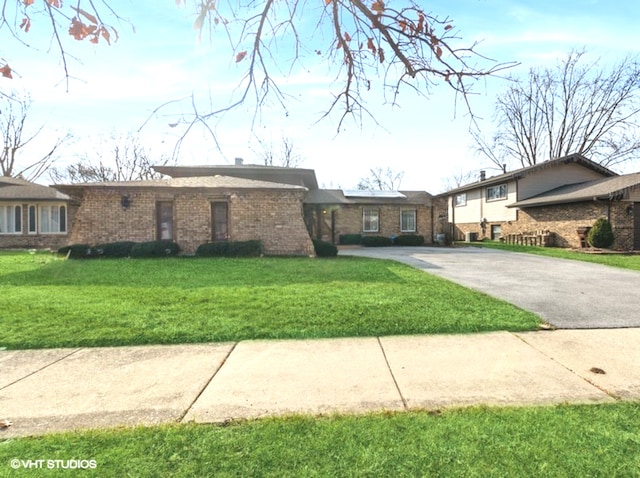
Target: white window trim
x,y
38,210
415,220
370,210
455,200
13,206
501,198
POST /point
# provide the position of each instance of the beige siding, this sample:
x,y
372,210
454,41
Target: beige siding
x,y
478,207
551,178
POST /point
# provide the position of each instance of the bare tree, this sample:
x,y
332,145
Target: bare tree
x,y
284,155
372,45
575,107
460,179
119,158
381,180
16,137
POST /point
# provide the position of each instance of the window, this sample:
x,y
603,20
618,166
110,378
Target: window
x,y
497,192
370,220
460,200
11,219
408,220
33,220
164,216
220,221
53,219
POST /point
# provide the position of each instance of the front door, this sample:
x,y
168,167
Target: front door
x,y
219,221
496,232
164,211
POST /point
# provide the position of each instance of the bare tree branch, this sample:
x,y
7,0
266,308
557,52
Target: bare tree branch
x,y
576,107
15,137
381,180
118,158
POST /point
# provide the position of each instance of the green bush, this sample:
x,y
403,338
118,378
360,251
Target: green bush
x,y
76,251
349,239
409,240
601,234
113,249
155,249
324,249
230,249
376,241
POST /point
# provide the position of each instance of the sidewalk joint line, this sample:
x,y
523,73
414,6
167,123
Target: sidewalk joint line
x,y
206,385
42,368
585,379
404,401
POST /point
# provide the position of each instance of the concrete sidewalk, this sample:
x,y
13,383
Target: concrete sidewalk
x,y
65,389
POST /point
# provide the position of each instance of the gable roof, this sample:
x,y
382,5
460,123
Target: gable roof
x,y
16,189
197,182
276,174
519,173
608,188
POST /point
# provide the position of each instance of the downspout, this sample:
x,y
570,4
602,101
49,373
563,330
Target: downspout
x,y
453,218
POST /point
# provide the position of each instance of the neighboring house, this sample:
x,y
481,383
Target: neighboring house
x,y
330,213
559,196
32,215
192,211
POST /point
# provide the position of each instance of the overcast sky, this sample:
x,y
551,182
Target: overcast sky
x,y
115,88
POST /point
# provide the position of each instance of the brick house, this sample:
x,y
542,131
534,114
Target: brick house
x,y
329,213
32,215
560,196
192,211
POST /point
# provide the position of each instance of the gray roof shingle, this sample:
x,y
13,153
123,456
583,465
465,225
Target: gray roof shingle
x,y
607,188
16,189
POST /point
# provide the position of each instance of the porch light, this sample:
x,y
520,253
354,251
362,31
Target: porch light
x,y
125,201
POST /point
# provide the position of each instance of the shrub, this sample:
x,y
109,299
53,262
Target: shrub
x,y
113,249
409,240
349,239
230,249
324,249
76,251
155,249
376,241
601,234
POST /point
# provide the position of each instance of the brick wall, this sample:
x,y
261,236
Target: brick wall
x,y
563,221
274,217
348,220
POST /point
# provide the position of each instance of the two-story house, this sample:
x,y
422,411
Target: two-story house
x,y
559,196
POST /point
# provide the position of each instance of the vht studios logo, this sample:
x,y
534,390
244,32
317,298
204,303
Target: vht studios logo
x,y
54,464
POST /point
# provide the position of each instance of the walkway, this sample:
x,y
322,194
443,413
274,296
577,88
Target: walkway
x,y
64,389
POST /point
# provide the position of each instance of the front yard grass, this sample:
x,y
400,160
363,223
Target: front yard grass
x,y
623,261
558,441
49,302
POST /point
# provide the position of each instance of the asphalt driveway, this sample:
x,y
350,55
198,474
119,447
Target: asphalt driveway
x,y
567,294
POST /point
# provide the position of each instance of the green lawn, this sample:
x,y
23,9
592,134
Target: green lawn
x,y
561,441
624,261
48,302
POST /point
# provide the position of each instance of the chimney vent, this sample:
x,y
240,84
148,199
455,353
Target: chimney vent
x,y
504,168
239,161
483,175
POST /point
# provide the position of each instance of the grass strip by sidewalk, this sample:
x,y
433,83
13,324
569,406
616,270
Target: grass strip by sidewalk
x,y
559,441
623,261
66,303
